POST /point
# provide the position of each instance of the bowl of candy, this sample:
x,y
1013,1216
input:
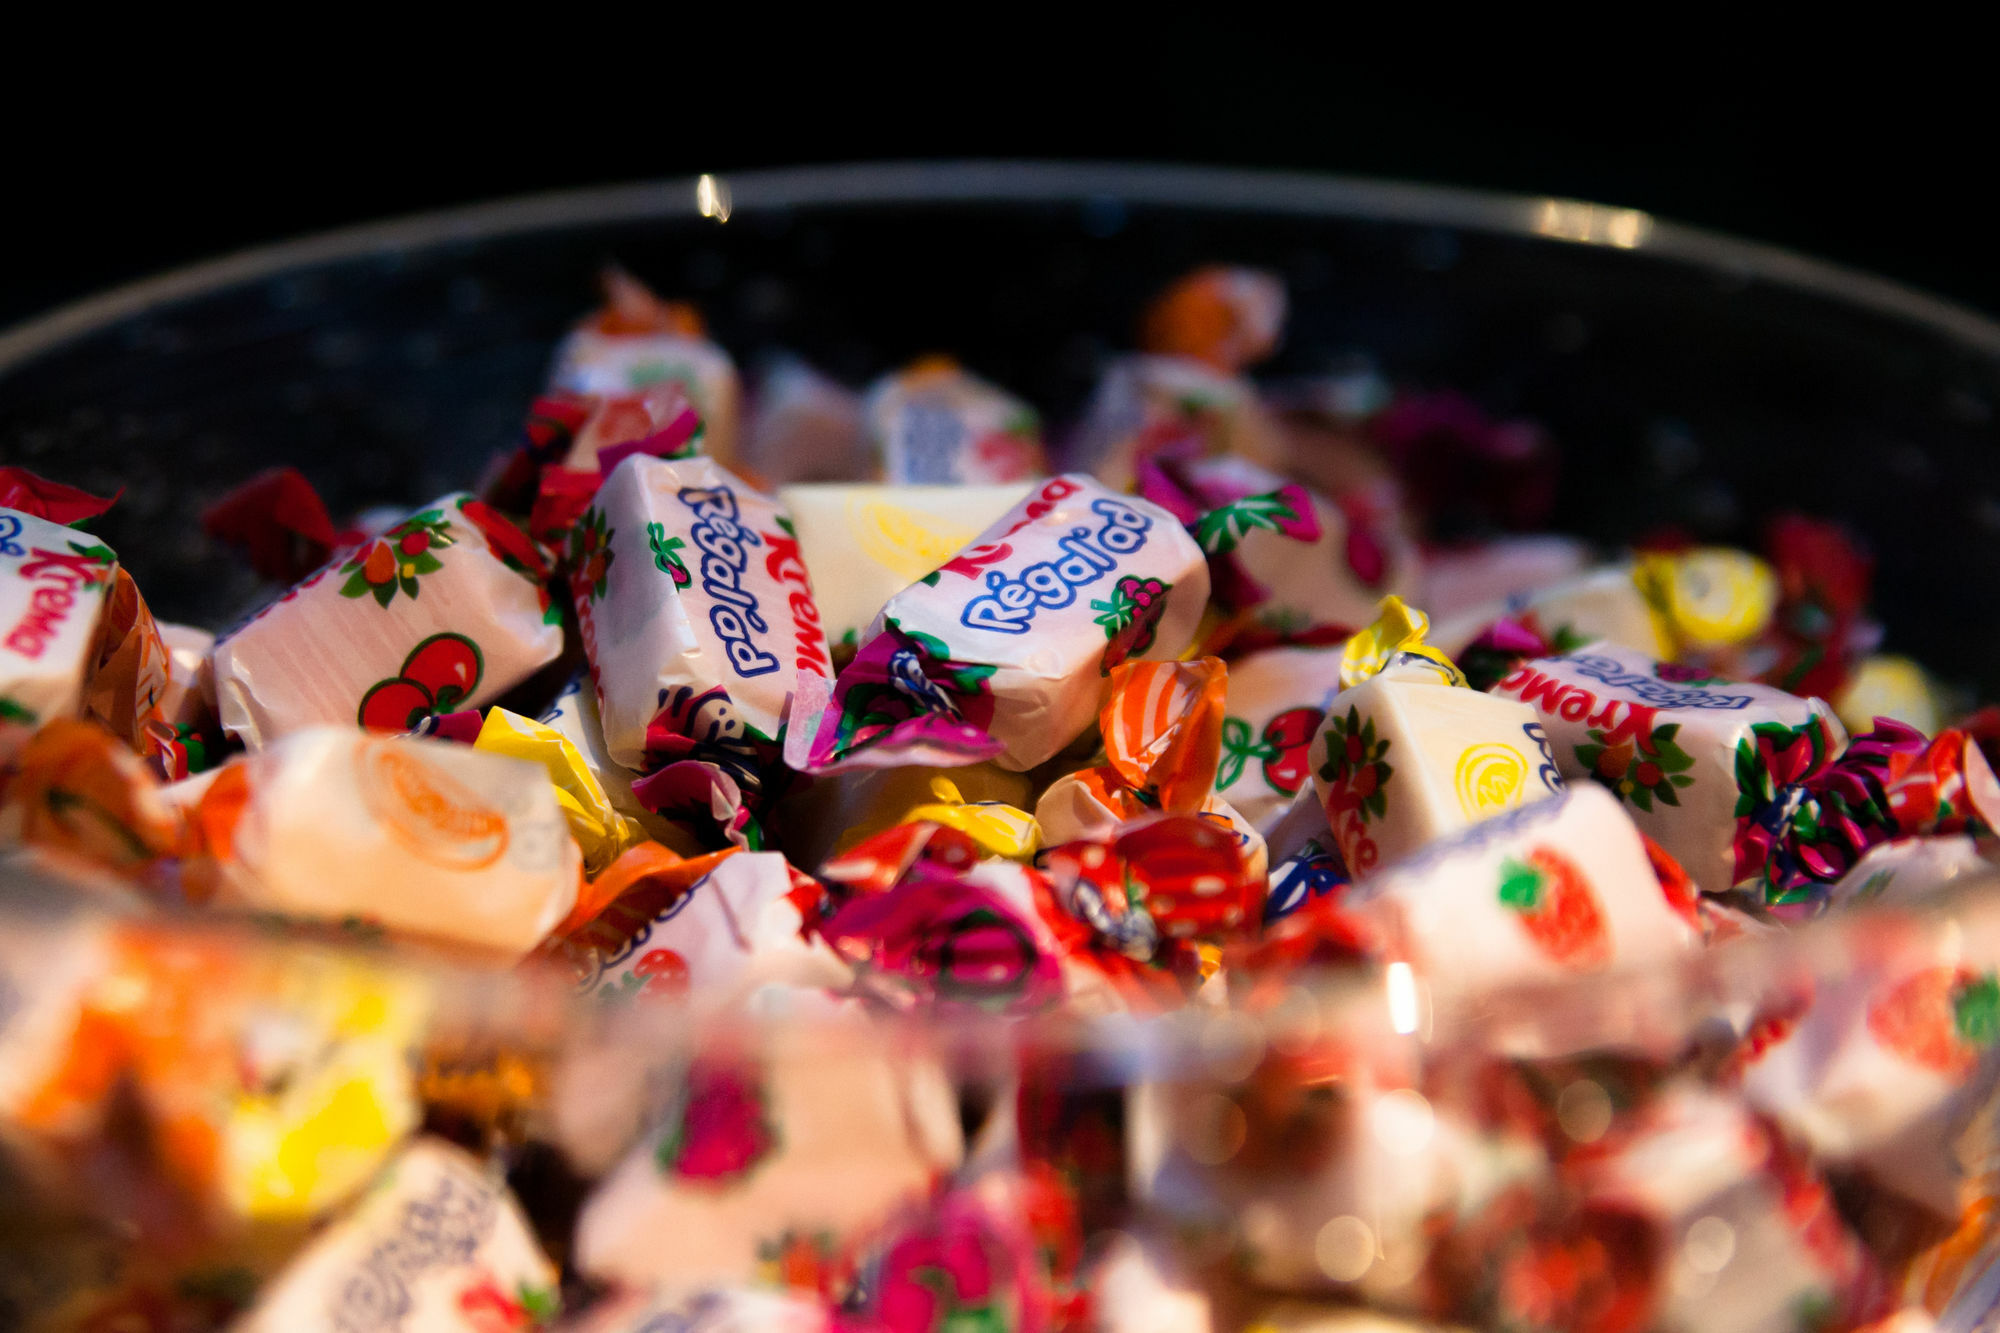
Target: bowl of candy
x,y
1003,747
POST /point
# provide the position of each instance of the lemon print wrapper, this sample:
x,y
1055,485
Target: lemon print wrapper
x,y
1489,778
907,543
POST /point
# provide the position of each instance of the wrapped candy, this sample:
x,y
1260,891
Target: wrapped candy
x,y
573,717
805,427
444,611
437,1244
833,814
1227,317
24,492
54,584
1605,604
601,832
936,424
1886,685
697,613
1002,651
636,341
1907,870
1276,701
871,542
730,1310
1407,753
279,523
1146,403
1463,579
426,837
1689,754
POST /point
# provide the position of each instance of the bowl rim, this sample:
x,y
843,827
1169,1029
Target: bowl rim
x,y
893,183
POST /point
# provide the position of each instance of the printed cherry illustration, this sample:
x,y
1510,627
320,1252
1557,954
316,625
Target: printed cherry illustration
x,y
1554,904
1286,739
448,665
1940,1018
395,704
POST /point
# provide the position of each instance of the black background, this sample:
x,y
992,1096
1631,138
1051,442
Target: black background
x,y
121,166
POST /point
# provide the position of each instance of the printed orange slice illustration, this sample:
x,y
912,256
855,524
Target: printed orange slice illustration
x,y
1553,901
435,816
1941,1018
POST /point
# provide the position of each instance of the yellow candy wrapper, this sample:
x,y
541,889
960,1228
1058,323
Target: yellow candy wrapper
x,y
1886,685
999,829
1707,598
1396,637
600,831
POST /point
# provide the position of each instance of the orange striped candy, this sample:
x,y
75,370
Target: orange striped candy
x,y
1162,726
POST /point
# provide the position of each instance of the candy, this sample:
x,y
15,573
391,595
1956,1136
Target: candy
x,y
1696,759
696,611
54,582
1885,685
835,813
871,542
428,837
805,427
77,790
1145,403
438,613
601,832
1230,318
1014,635
573,716
1276,701
937,424
1466,578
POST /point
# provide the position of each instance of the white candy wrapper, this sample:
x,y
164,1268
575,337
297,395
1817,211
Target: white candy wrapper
x,y
53,582
874,541
1689,755
612,358
936,424
732,1310
1907,870
436,615
735,929
1461,580
695,608
573,715
1604,604
1552,888
805,427
1002,652
1277,700
1144,402
427,837
436,1246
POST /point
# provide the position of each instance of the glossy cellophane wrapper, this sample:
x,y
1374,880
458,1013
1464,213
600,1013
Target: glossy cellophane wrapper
x,y
616,364
54,583
936,424
1671,1137
430,616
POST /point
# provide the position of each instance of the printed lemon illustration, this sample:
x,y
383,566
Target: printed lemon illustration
x,y
1489,779
1709,596
433,814
910,544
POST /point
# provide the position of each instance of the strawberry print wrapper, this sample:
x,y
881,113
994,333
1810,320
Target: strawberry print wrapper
x,y
1906,871
788,1154
1148,403
738,927
1709,769
1013,638
429,838
436,1246
444,611
874,541
1276,701
1283,555
936,424
637,342
966,1260
54,584
1549,889
697,615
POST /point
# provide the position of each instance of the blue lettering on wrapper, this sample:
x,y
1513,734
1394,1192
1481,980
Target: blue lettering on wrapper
x,y
1009,604
725,556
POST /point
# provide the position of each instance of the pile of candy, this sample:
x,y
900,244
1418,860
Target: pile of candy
x,y
795,860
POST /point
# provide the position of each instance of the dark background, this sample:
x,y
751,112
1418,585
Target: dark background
x,y
1882,159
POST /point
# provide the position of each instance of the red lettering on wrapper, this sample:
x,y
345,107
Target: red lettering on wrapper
x,y
61,573
974,558
785,564
1573,703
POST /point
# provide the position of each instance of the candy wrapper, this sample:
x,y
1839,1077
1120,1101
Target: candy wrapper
x,y
637,341
805,427
697,614
76,790
279,523
1147,403
1466,578
23,492
1696,759
1276,701
601,832
432,838
1558,885
130,672
437,1244
573,716
832,815
54,583
442,612
1408,753
1885,685
874,541
1226,317
936,424
1002,651
733,1310
803,1146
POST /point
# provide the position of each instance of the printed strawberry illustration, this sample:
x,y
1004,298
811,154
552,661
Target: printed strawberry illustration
x,y
1280,750
393,562
725,1128
666,554
438,676
1130,618
1287,511
1554,904
1941,1018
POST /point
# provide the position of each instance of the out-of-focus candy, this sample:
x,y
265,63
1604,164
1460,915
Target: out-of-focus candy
x,y
1907,870
427,837
1276,701
834,814
936,424
437,1244
1605,604
1463,468
76,789
54,582
1014,636
697,614
1464,578
1407,754
1824,577
998,829
874,541
1556,886
636,341
23,492
1697,759
1148,403
599,829
961,1261
730,1310
1708,597
446,610
279,523
1886,685
807,1143
1228,318
58,1060
805,427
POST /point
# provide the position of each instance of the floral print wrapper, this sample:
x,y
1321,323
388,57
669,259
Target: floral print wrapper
x,y
447,610
54,584
1700,763
1003,651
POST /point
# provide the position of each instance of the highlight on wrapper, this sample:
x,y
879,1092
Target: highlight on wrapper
x,y
1396,638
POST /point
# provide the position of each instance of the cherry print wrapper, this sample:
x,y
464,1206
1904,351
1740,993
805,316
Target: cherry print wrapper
x,y
1276,700
1710,769
444,611
936,424
429,838
54,585
436,1246
1002,652
697,615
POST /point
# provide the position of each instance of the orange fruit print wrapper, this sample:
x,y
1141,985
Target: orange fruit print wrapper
x,y
1003,651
